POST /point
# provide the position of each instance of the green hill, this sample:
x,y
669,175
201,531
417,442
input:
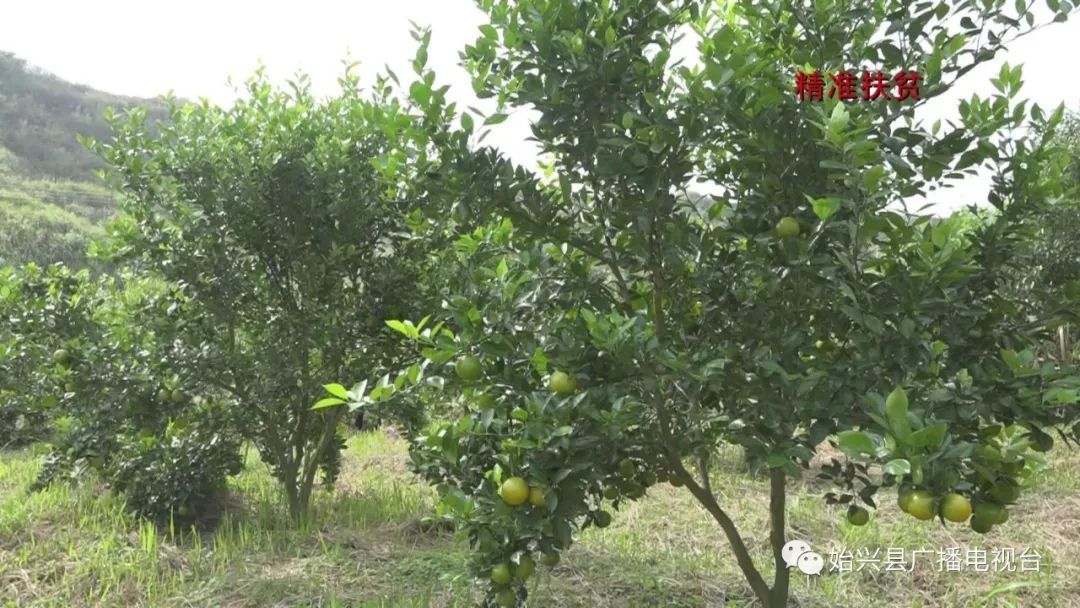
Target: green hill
x,y
51,202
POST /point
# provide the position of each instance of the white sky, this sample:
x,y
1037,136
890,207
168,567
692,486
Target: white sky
x,y
146,48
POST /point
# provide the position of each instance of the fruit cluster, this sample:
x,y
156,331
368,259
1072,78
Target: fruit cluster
x,y
516,492
988,510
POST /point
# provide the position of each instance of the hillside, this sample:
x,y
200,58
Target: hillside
x,y
51,202
40,116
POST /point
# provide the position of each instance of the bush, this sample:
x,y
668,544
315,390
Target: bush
x,y
282,220
119,408
179,471
38,307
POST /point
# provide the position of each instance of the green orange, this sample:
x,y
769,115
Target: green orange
x,y
980,525
990,512
536,497
955,508
506,598
514,491
903,498
524,568
562,383
602,519
550,558
857,516
501,575
921,505
787,227
1004,491
468,369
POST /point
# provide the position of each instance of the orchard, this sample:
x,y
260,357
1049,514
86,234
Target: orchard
x,y
322,330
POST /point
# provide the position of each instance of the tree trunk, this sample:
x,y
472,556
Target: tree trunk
x,y
778,595
292,498
303,480
703,470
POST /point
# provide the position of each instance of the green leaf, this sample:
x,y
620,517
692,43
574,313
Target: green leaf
x,y
775,461
856,442
896,407
495,119
825,207
420,92
565,188
358,391
1011,358
1061,396
872,178
337,390
931,436
839,118
327,402
399,327
898,467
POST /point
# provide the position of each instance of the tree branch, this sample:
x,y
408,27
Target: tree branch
x,y
703,496
708,500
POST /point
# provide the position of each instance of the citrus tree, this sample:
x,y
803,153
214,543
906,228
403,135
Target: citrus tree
x,y
105,392
1052,280
36,308
280,222
612,327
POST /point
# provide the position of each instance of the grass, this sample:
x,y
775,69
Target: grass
x,y
76,546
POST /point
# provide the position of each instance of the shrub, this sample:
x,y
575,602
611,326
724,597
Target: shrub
x,y
282,220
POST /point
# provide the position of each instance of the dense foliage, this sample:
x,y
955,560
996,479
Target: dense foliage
x,y
36,307
280,220
1052,278
608,327
73,356
584,332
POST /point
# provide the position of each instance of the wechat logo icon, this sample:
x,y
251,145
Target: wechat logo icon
x,y
797,554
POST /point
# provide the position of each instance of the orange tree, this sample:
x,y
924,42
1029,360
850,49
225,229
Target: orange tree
x,y
38,307
279,220
105,391
610,328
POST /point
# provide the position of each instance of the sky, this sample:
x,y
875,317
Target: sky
x,y
192,48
